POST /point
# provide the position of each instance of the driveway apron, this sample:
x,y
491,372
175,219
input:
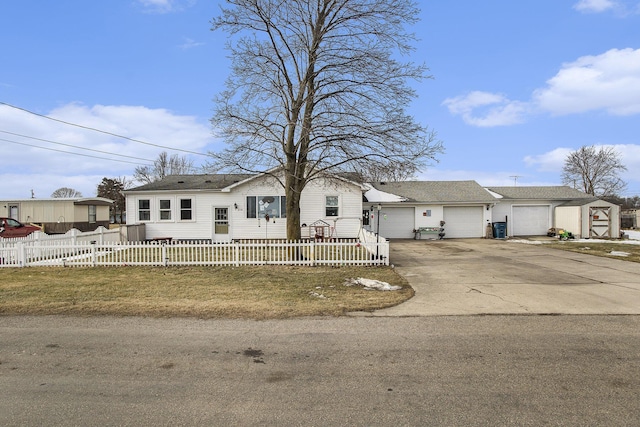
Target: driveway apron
x,y
486,276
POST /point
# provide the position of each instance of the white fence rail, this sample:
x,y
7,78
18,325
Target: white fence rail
x,y
73,236
83,254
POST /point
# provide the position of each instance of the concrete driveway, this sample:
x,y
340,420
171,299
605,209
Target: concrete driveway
x,y
478,276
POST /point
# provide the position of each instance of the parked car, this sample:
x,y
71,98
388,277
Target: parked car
x,y
9,227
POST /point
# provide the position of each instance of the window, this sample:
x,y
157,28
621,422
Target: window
x,y
331,205
365,217
260,206
92,214
144,210
165,210
186,210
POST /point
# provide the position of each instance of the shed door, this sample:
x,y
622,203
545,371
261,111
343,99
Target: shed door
x,y
531,220
600,224
395,223
463,222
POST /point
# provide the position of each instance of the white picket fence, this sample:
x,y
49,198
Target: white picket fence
x,y
264,252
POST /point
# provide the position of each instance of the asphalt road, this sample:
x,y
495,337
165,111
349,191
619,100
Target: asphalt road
x,y
417,371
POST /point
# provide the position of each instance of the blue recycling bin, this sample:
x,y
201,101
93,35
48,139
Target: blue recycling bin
x,y
499,230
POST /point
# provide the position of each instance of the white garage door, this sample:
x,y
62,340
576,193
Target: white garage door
x,y
463,221
531,220
396,223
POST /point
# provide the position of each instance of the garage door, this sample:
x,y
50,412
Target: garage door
x,y
396,223
531,220
463,221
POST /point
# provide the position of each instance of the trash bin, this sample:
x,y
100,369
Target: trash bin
x,y
499,230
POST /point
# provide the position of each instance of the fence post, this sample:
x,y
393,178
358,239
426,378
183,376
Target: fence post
x,y
236,253
312,253
94,255
19,248
164,254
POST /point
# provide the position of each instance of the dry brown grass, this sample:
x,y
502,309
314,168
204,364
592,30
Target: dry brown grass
x,y
203,292
600,249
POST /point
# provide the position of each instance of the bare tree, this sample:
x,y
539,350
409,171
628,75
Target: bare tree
x,y
111,188
594,171
65,192
391,172
164,165
316,88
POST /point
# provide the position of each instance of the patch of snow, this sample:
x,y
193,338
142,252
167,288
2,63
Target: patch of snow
x,y
374,196
372,284
496,195
317,295
619,253
633,234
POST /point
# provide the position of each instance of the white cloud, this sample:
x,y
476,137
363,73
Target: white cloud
x,y
594,6
607,82
165,6
551,161
485,109
610,82
44,170
190,44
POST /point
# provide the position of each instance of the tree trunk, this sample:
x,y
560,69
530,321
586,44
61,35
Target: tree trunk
x,y
293,191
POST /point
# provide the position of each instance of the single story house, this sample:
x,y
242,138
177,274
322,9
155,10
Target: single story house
x,y
59,215
224,207
402,207
531,211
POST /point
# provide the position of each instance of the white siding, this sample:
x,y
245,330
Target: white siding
x,y
569,218
531,220
312,206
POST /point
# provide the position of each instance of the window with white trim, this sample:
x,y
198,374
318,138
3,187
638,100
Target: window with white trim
x,y
144,210
186,209
260,206
332,205
165,209
92,214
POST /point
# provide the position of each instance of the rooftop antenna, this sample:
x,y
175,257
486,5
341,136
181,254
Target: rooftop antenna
x,y
515,179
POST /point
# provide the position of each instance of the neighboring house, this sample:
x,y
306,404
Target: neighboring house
x,y
59,215
464,206
224,207
531,211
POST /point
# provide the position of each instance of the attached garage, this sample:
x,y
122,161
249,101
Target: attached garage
x,y
396,222
463,221
530,220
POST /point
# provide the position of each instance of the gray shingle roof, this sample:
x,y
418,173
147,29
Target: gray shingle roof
x,y
193,182
437,191
561,192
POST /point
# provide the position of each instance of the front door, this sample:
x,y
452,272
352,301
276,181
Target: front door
x,y
221,224
13,212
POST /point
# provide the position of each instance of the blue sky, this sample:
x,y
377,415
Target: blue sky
x,y
516,86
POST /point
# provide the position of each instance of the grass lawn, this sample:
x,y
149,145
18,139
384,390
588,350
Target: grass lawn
x,y
266,292
613,249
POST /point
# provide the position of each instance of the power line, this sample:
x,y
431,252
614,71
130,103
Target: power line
x,y
103,131
75,146
69,152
